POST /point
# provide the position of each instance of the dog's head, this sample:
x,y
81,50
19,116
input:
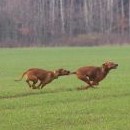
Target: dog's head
x,y
62,72
109,65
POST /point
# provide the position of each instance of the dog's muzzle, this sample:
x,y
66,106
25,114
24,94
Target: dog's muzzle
x,y
115,67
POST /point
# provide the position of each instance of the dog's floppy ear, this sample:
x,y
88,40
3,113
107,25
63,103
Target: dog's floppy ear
x,y
104,64
108,65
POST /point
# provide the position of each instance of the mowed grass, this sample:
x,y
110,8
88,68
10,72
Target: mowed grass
x,y
59,106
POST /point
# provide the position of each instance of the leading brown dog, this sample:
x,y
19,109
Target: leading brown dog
x,y
92,75
44,76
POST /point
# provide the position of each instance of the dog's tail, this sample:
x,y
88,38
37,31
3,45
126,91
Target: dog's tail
x,y
21,76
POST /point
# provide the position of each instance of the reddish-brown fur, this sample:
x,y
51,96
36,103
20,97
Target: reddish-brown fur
x,y
92,75
44,76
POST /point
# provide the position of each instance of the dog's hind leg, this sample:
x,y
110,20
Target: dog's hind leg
x,y
27,81
86,80
34,84
93,83
90,86
33,79
39,85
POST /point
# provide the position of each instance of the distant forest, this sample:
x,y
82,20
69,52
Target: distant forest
x,y
64,22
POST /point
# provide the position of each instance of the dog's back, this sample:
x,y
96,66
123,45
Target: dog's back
x,y
35,72
89,71
39,73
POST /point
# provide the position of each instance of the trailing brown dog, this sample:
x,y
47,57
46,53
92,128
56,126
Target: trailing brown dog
x,y
44,76
92,75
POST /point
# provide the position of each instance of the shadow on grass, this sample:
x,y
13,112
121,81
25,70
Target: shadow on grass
x,y
35,93
20,95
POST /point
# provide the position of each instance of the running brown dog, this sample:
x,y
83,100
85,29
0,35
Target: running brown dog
x,y
92,75
44,76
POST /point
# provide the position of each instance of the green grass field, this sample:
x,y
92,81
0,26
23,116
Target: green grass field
x,y
59,106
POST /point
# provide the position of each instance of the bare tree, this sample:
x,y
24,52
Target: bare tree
x,y
86,13
129,17
62,16
42,21
53,15
122,16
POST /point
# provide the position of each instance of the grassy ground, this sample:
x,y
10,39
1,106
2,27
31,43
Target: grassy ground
x,y
59,106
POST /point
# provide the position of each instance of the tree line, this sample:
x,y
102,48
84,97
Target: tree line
x,y
71,22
